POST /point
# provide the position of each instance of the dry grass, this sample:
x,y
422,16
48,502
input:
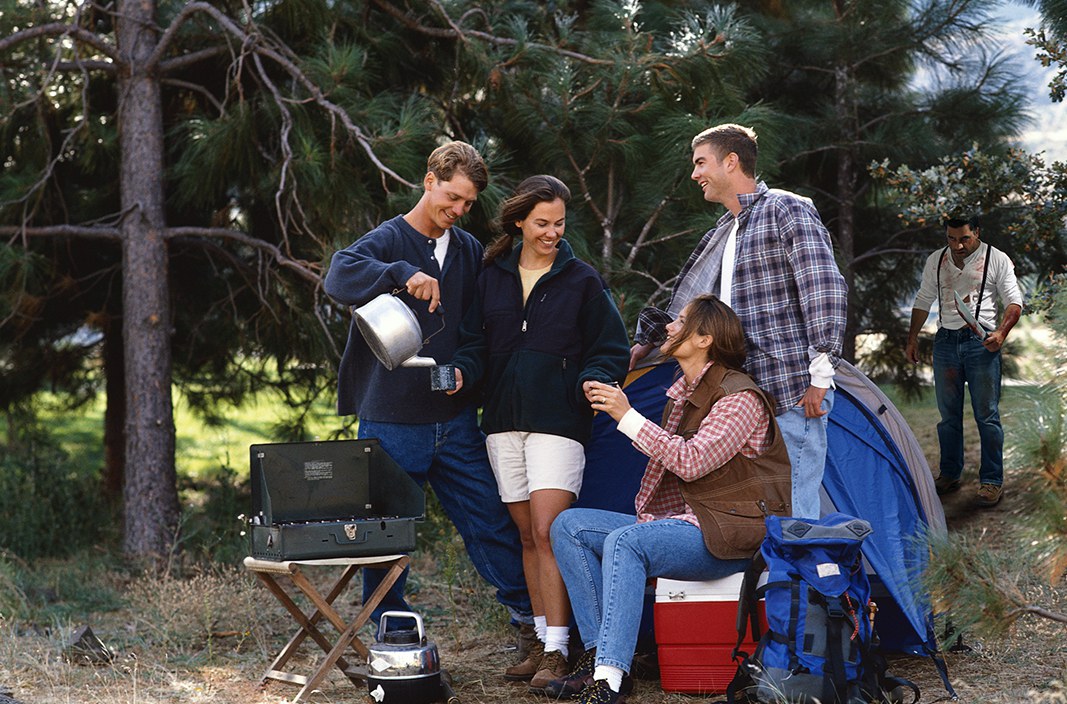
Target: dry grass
x,y
208,636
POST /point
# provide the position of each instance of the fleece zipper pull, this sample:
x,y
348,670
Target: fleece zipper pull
x,y
543,297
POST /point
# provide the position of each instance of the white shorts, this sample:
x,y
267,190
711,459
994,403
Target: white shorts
x,y
525,462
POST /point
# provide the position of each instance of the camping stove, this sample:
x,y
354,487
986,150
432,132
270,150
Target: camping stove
x,y
343,498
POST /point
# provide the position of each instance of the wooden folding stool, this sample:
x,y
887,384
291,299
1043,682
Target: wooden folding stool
x,y
268,571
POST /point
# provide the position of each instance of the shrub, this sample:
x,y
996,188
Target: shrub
x,y
212,527
49,505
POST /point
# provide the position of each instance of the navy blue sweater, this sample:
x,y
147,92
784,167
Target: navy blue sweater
x,y
533,358
382,261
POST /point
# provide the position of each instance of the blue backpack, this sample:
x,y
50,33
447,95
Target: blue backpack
x,y
820,645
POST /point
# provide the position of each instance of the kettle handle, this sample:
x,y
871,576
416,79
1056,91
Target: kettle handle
x,y
440,311
401,614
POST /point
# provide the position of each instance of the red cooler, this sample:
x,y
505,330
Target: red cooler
x,y
695,625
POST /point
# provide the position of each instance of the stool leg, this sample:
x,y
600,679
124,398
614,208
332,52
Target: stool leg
x,y
308,627
298,637
395,570
348,637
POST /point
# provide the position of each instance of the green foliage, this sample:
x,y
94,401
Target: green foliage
x,y
212,525
988,587
13,601
1040,442
50,590
50,504
983,589
1031,196
268,174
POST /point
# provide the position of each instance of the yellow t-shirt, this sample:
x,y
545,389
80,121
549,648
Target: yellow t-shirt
x,y
529,278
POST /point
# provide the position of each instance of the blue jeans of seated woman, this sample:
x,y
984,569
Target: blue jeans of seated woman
x,y
451,457
961,358
606,558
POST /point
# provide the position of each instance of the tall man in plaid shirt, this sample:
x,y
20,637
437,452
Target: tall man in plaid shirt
x,y
770,258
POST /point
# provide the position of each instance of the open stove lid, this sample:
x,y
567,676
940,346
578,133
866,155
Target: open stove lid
x,y
331,480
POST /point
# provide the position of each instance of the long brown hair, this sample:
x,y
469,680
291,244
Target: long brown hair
x,y
533,190
707,315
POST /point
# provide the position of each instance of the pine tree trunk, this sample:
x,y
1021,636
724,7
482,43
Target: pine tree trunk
x,y
115,412
846,199
151,499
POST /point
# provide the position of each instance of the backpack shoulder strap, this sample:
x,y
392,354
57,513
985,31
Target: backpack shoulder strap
x,y
748,600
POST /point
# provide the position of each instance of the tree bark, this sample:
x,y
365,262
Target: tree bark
x,y
115,411
846,198
151,495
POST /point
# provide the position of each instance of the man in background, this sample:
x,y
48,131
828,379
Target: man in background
x,y
967,353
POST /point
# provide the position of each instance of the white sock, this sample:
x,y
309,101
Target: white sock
x,y
557,638
613,675
540,624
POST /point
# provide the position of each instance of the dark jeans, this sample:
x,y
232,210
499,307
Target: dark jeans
x,y
451,457
960,358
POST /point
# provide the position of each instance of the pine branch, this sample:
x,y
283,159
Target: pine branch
x,y
874,253
85,65
91,231
68,139
1037,611
196,88
462,34
639,244
262,46
60,29
666,238
193,57
305,269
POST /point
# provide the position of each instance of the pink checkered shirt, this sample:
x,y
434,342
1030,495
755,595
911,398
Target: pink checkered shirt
x,y
736,423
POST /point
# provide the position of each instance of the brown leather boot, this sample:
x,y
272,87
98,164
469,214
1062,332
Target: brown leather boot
x,y
525,639
529,665
553,667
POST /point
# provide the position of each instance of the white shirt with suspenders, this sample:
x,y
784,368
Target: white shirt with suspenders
x,y
987,274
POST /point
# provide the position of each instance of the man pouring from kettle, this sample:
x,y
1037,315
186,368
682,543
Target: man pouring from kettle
x,y
432,265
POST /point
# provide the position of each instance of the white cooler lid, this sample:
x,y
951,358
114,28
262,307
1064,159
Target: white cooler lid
x,y
725,589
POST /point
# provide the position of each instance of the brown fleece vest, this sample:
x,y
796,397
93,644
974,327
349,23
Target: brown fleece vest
x,y
732,501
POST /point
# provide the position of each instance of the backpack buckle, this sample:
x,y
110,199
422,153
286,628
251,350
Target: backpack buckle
x,y
834,608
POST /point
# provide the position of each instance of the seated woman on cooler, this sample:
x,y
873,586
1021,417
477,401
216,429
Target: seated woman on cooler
x,y
715,468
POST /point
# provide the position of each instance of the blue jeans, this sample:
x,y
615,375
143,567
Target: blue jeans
x,y
960,358
606,558
451,456
805,440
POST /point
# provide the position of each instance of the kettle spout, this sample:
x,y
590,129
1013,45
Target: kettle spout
x,y
417,361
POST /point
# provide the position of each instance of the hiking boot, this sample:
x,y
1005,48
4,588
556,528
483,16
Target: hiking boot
x,y
576,681
553,667
989,495
529,665
580,678
944,485
527,639
600,693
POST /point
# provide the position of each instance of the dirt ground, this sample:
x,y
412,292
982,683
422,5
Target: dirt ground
x,y
472,638
209,639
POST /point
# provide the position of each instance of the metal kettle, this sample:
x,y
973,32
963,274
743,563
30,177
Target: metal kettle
x,y
402,666
393,332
